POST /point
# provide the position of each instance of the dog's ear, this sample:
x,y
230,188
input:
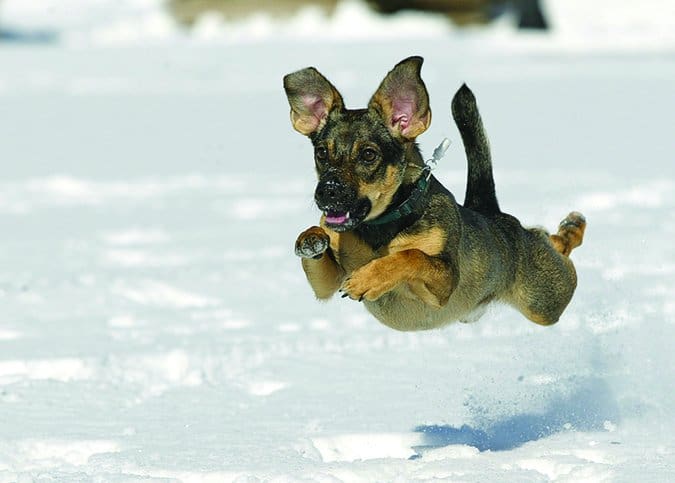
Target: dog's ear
x,y
402,100
311,97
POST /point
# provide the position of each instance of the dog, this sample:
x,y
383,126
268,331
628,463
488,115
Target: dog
x,y
391,235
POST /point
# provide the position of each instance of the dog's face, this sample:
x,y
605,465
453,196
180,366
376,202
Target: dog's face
x,y
360,155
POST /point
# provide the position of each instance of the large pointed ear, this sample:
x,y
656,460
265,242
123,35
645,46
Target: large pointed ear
x,y
402,100
311,97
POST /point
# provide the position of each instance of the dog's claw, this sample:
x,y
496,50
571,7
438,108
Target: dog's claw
x,y
344,295
361,297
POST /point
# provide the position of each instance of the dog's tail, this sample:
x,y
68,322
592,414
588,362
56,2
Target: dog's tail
x,y
480,186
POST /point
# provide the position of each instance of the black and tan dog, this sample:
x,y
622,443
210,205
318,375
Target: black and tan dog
x,y
393,236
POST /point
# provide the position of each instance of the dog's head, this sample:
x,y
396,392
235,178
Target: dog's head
x,y
360,155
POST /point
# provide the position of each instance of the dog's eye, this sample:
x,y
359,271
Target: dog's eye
x,y
321,153
369,155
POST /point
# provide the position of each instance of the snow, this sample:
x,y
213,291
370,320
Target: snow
x,y
156,325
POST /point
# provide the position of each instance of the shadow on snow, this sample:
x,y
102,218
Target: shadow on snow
x,y
27,37
586,408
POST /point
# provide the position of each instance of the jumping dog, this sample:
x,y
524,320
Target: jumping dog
x,y
391,235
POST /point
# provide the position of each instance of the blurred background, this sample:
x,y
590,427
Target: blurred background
x,y
81,22
108,50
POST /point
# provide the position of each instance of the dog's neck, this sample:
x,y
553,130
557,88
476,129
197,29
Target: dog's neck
x,y
378,235
414,163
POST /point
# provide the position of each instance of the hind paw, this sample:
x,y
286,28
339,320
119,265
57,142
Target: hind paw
x,y
570,233
574,219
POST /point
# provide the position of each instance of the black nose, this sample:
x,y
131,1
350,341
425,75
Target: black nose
x,y
328,190
333,194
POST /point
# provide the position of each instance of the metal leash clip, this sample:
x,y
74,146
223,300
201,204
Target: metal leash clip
x,y
437,155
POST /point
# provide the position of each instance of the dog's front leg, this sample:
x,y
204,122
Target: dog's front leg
x,y
323,272
429,278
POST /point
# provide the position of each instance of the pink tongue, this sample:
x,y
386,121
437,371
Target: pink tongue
x,y
336,218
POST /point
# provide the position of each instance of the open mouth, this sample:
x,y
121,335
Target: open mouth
x,y
342,220
337,217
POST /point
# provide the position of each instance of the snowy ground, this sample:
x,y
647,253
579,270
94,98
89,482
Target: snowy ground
x,y
155,323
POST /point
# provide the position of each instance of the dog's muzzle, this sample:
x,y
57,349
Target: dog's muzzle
x,y
340,205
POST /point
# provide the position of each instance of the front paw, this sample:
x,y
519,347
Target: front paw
x,y
369,282
312,243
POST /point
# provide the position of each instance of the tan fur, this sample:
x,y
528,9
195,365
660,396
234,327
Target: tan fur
x,y
425,276
381,193
545,280
537,318
430,242
570,234
408,258
303,115
419,125
349,251
325,274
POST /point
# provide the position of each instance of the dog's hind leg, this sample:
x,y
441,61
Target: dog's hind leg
x,y
545,276
549,281
570,233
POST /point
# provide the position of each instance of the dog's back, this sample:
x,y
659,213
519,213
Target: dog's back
x,y
528,270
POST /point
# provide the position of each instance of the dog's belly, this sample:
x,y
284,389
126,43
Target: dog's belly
x,y
402,310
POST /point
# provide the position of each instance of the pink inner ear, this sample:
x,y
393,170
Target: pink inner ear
x,y
315,105
402,114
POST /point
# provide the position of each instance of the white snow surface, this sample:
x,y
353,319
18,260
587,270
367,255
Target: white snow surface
x,y
156,326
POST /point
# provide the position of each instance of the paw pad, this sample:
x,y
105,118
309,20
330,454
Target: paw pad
x,y
311,245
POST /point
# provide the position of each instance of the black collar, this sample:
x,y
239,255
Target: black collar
x,y
413,203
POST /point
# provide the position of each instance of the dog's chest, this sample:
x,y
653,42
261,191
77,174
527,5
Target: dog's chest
x,y
350,251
